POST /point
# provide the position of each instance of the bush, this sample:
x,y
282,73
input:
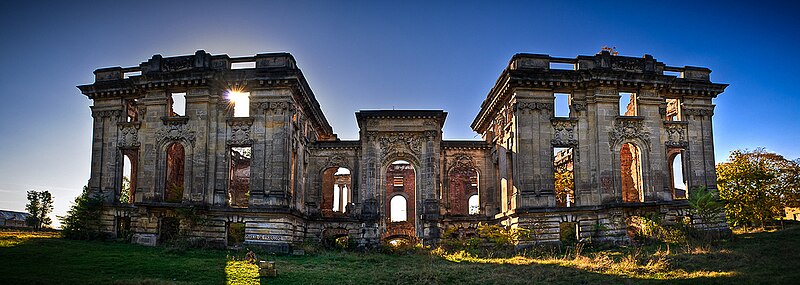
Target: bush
x,y
82,219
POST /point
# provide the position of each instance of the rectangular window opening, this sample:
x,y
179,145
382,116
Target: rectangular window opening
x,y
243,65
673,73
177,106
562,105
627,104
564,176
241,103
562,66
673,106
130,74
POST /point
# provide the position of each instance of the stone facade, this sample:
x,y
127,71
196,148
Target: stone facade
x,y
279,169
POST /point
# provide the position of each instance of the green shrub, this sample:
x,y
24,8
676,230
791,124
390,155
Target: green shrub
x,y
82,219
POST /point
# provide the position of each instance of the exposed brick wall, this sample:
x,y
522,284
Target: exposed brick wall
x,y
408,189
173,190
460,189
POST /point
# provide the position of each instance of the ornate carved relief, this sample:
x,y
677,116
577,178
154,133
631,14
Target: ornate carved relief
x,y
336,160
106,114
698,112
175,132
578,106
626,128
240,132
564,133
276,108
128,135
177,64
676,135
400,142
532,106
462,160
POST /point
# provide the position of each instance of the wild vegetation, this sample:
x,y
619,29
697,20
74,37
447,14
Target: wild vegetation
x,y
769,257
40,205
757,185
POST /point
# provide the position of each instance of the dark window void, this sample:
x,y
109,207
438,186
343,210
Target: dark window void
x,y
124,228
562,105
243,65
336,194
462,184
568,233
564,176
177,104
130,164
235,233
631,173
168,230
175,168
677,180
627,104
509,179
239,189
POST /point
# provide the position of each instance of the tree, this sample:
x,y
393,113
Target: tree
x,y
705,204
757,185
81,221
40,205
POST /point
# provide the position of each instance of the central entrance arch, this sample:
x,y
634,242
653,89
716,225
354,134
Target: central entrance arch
x,y
400,195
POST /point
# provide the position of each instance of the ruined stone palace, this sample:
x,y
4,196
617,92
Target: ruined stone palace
x,y
213,147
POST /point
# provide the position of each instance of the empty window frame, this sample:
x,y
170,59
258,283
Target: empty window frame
x,y
177,104
627,104
462,184
240,101
173,187
562,109
474,205
679,185
243,65
239,175
397,208
673,107
128,181
631,173
562,66
131,110
564,176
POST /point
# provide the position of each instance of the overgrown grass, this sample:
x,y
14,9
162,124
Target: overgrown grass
x,y
751,258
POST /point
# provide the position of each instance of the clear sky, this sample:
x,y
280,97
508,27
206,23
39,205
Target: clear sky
x,y
377,55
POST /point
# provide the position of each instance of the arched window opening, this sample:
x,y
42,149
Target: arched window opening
x,y
631,172
176,157
398,209
335,190
678,182
564,176
462,183
474,206
239,173
128,183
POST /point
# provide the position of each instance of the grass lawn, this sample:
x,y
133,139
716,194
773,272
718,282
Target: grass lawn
x,y
751,258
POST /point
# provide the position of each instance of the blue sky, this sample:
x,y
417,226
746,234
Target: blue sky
x,y
373,55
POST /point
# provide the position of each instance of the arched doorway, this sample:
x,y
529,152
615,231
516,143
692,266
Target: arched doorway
x,y
631,173
400,199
